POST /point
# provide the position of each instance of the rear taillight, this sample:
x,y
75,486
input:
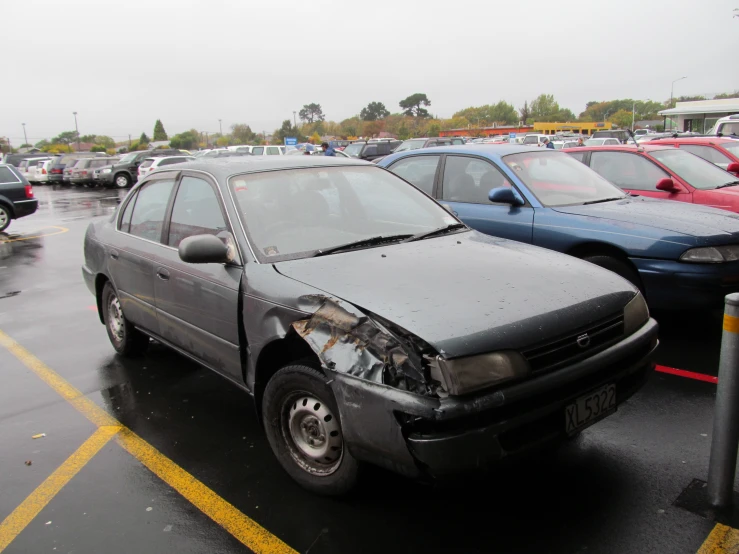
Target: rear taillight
x,y
29,191
56,171
43,171
84,173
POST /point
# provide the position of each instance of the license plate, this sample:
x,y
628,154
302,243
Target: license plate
x,y
590,408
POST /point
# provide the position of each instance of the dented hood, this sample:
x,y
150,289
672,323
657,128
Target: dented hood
x,y
469,293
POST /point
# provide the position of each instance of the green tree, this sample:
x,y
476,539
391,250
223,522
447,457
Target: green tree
x,y
374,111
98,148
311,113
222,141
242,133
725,95
525,112
105,141
412,105
315,138
42,143
159,132
88,138
286,130
433,130
67,137
143,139
351,127
544,108
403,132
621,118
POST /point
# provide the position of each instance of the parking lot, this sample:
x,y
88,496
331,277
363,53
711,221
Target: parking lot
x,y
159,454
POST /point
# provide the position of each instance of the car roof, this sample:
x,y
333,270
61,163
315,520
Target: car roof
x,y
695,140
222,168
621,147
488,150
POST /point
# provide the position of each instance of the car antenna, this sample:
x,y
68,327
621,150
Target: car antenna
x,y
631,134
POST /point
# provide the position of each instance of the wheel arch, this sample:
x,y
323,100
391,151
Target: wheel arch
x,y
594,248
100,280
8,204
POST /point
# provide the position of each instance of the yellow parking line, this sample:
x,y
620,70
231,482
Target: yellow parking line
x,y
243,528
12,526
59,232
722,540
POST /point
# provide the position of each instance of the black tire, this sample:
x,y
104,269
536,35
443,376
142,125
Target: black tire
x,y
284,408
618,267
126,339
5,217
122,181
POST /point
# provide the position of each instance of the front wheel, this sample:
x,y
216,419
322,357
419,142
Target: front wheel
x,y
4,217
125,338
122,181
303,426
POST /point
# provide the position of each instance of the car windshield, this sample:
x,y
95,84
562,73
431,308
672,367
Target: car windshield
x,y
594,142
696,171
411,145
128,157
354,149
732,147
557,179
298,212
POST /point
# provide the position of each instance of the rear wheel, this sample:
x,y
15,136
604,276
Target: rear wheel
x,y
618,267
122,181
4,217
302,423
125,338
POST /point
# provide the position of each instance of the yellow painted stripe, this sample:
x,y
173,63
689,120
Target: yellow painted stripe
x,y
722,540
246,530
249,532
731,323
12,526
59,232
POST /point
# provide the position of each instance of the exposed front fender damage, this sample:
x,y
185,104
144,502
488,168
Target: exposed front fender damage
x,y
349,341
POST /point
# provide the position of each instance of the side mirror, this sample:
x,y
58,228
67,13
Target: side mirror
x,y
733,167
203,249
666,184
505,195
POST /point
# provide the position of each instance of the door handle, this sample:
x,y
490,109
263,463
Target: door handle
x,y
163,274
114,254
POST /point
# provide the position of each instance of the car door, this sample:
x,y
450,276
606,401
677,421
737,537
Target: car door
x,y
466,183
197,304
636,174
135,248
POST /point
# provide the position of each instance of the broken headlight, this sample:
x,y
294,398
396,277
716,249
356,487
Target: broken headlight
x,y
464,375
711,254
636,314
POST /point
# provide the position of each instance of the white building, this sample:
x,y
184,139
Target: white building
x,y
700,115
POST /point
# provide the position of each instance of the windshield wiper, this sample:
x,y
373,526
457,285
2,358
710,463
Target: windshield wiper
x,y
439,231
729,184
371,241
604,200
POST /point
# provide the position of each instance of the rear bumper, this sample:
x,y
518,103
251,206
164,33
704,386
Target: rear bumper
x,y
55,178
23,208
418,436
80,180
672,285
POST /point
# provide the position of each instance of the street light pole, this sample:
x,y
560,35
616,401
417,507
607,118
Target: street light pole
x,y
25,137
76,130
220,125
295,121
672,88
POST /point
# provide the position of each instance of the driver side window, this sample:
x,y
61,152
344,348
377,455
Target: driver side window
x,y
147,219
470,180
628,171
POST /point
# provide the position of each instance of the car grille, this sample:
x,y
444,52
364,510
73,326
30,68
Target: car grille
x,y
577,345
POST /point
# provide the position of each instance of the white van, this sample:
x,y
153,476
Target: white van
x,y
727,126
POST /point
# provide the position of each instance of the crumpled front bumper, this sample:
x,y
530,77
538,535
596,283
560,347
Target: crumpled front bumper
x,y
416,435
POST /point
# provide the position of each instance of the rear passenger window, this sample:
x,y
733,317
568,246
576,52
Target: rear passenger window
x,y
127,211
7,176
196,211
257,150
579,156
419,170
273,151
148,214
470,180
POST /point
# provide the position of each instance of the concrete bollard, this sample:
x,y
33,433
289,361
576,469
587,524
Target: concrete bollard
x,y
722,466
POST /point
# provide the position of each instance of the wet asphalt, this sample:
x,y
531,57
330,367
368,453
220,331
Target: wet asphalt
x,y
610,491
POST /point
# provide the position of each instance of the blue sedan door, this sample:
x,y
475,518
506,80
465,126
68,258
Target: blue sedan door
x,y
466,183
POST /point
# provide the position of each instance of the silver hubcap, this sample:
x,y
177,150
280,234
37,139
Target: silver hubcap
x,y
315,434
4,217
121,181
115,318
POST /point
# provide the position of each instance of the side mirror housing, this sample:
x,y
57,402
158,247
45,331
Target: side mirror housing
x,y
203,249
505,195
733,168
666,184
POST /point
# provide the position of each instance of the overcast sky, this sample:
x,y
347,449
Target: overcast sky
x,y
190,62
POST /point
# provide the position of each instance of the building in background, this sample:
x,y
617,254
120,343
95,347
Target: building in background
x,y
698,116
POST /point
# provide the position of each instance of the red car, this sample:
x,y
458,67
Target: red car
x,y
662,171
719,151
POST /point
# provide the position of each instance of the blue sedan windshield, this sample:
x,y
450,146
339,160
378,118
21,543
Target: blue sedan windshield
x,y
557,179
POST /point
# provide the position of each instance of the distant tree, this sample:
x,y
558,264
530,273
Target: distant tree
x,y
622,118
143,139
315,138
311,113
67,137
88,138
412,105
42,143
159,132
403,132
372,128
222,141
725,95
351,127
242,133
105,141
525,112
98,148
433,130
26,145
690,98
544,107
374,111
187,140
286,130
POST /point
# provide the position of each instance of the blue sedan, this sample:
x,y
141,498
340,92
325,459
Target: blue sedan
x,y
682,256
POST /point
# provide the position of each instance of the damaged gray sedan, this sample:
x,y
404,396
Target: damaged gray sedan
x,y
366,322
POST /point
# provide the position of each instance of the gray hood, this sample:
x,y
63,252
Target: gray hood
x,y
678,217
469,293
